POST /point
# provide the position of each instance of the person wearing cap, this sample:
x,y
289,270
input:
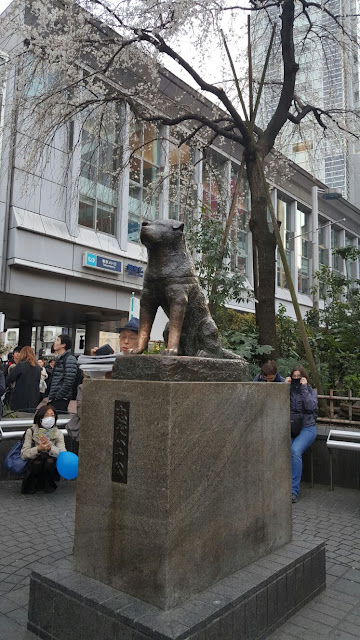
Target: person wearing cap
x,y
128,339
129,335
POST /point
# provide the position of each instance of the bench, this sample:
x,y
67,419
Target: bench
x,y
14,428
348,440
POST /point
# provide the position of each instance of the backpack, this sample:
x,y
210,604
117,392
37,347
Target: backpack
x,y
78,380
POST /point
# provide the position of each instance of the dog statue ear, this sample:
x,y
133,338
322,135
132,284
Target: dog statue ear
x,y
178,225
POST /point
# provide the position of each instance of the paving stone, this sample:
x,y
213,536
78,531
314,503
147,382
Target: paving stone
x,y
352,574
348,587
328,610
318,616
7,605
350,627
20,615
337,570
337,634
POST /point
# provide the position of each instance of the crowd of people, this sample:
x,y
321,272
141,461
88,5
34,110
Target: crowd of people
x,y
45,388
50,385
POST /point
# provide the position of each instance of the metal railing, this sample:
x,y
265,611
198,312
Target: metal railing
x,y
333,399
14,428
345,440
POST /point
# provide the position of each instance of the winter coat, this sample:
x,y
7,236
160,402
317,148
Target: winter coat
x,y
29,449
260,378
25,395
63,378
304,399
2,389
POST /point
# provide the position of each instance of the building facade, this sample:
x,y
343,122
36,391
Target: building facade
x,y
328,77
69,229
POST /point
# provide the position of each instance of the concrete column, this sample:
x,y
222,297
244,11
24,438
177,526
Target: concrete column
x,y
315,244
25,332
92,329
39,340
72,336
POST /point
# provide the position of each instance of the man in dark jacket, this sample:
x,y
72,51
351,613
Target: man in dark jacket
x,y
64,374
269,373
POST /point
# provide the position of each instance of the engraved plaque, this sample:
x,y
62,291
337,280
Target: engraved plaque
x,y
121,442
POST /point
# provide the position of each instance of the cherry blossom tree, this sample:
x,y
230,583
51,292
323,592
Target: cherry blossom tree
x,y
81,56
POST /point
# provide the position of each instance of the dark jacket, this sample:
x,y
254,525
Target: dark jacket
x,y
260,378
25,395
304,399
2,388
63,378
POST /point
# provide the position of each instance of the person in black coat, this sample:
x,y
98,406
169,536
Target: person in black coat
x,y
303,414
2,387
26,375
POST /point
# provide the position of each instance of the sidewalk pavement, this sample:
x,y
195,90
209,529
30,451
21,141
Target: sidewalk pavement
x,y
37,532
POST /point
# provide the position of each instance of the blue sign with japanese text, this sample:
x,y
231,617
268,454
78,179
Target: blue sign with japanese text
x,y
134,270
101,262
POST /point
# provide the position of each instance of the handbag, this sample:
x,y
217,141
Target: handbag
x,y
297,423
13,461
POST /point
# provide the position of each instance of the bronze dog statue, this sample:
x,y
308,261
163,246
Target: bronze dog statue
x,y
170,282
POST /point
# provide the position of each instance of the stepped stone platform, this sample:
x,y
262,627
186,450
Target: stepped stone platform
x,y
247,605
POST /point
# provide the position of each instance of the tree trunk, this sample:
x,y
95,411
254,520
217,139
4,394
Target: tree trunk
x,y
264,244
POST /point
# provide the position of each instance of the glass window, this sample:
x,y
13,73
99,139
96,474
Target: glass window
x,y
37,77
144,187
182,196
100,160
215,193
285,227
2,84
322,239
303,249
2,92
240,227
337,261
350,265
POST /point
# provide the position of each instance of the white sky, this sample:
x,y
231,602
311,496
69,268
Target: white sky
x,y
4,4
212,70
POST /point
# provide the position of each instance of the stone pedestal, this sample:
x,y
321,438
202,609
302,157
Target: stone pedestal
x,y
179,369
180,483
248,605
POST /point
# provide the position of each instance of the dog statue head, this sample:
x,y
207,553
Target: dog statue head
x,y
166,232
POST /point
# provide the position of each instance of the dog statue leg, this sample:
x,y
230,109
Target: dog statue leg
x,y
177,314
147,317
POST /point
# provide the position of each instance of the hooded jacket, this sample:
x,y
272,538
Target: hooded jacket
x,y
304,399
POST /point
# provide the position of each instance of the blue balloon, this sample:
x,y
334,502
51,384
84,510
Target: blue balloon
x,y
67,465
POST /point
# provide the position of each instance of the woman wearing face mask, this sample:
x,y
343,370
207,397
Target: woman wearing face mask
x,y
303,414
42,445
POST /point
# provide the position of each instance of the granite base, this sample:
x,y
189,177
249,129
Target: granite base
x,y
180,483
180,369
247,605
